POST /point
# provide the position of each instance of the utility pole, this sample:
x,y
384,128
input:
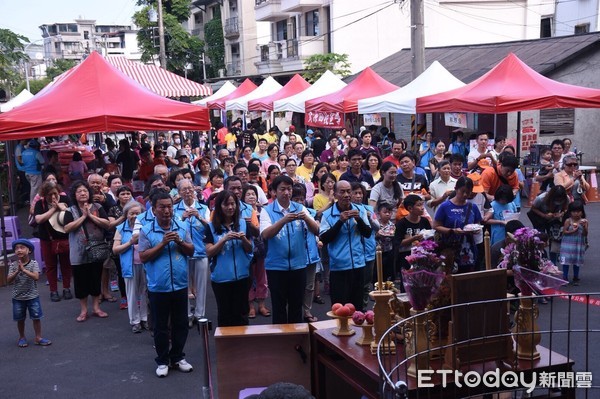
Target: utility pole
x,y
161,37
417,37
203,69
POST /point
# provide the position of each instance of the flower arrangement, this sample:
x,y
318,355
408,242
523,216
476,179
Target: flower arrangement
x,y
423,278
525,257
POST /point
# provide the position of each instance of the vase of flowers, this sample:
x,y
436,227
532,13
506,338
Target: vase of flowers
x,y
423,278
533,274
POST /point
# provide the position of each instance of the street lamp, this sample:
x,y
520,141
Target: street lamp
x,y
27,63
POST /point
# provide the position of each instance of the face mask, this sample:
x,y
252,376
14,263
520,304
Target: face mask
x,y
177,141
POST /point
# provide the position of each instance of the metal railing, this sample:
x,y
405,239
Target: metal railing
x,y
566,340
232,27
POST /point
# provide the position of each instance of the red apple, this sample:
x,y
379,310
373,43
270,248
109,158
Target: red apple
x,y
370,317
335,307
358,317
352,308
344,311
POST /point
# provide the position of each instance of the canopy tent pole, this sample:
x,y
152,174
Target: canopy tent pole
x,y
518,143
495,115
12,176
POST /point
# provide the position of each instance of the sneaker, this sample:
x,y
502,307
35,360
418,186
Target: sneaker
x,y
162,371
145,325
54,296
67,294
123,304
136,328
183,366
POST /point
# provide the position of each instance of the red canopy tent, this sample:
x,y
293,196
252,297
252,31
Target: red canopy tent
x,y
96,97
246,87
296,85
510,86
327,111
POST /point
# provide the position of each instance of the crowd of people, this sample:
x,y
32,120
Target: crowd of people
x,y
277,214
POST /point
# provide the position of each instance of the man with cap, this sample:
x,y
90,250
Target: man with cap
x,y
309,138
183,159
33,160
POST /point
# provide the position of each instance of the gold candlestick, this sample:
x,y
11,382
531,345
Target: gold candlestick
x,y
383,319
379,268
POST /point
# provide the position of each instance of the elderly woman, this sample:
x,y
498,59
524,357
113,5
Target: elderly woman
x,y
86,223
195,216
571,178
53,240
116,216
273,151
442,187
124,245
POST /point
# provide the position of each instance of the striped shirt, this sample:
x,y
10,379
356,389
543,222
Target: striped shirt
x,y
24,287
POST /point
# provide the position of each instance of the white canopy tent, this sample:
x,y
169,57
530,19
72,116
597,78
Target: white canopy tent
x,y
225,90
20,98
268,86
328,83
435,79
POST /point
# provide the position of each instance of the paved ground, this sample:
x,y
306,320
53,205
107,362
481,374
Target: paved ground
x,y
101,358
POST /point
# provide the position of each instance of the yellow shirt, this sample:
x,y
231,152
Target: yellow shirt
x,y
305,173
337,174
320,201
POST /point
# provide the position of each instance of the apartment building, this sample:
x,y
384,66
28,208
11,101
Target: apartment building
x,y
370,30
74,40
241,32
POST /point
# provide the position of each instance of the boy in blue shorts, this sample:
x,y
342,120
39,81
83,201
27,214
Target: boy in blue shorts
x,y
25,273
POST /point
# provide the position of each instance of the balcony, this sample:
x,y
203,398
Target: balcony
x,y
269,10
234,68
288,55
232,28
300,5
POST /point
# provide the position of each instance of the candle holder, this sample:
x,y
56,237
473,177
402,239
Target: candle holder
x,y
383,321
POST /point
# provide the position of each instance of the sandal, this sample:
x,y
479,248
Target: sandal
x,y
23,343
264,311
82,317
252,313
101,314
110,299
310,319
43,342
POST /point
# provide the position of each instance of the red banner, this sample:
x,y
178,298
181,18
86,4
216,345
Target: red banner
x,y
324,119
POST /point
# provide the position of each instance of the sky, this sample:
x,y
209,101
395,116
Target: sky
x,y
25,16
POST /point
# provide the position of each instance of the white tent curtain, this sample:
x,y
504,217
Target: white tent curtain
x,y
268,86
328,83
435,79
225,90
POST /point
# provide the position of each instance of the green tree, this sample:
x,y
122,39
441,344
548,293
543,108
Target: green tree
x,y
59,67
12,56
180,47
317,64
215,47
35,85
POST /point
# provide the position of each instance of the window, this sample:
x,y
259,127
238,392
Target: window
x,y
557,122
281,30
312,23
86,34
546,27
582,29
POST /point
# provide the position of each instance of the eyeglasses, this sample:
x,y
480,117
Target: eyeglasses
x,y
571,164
